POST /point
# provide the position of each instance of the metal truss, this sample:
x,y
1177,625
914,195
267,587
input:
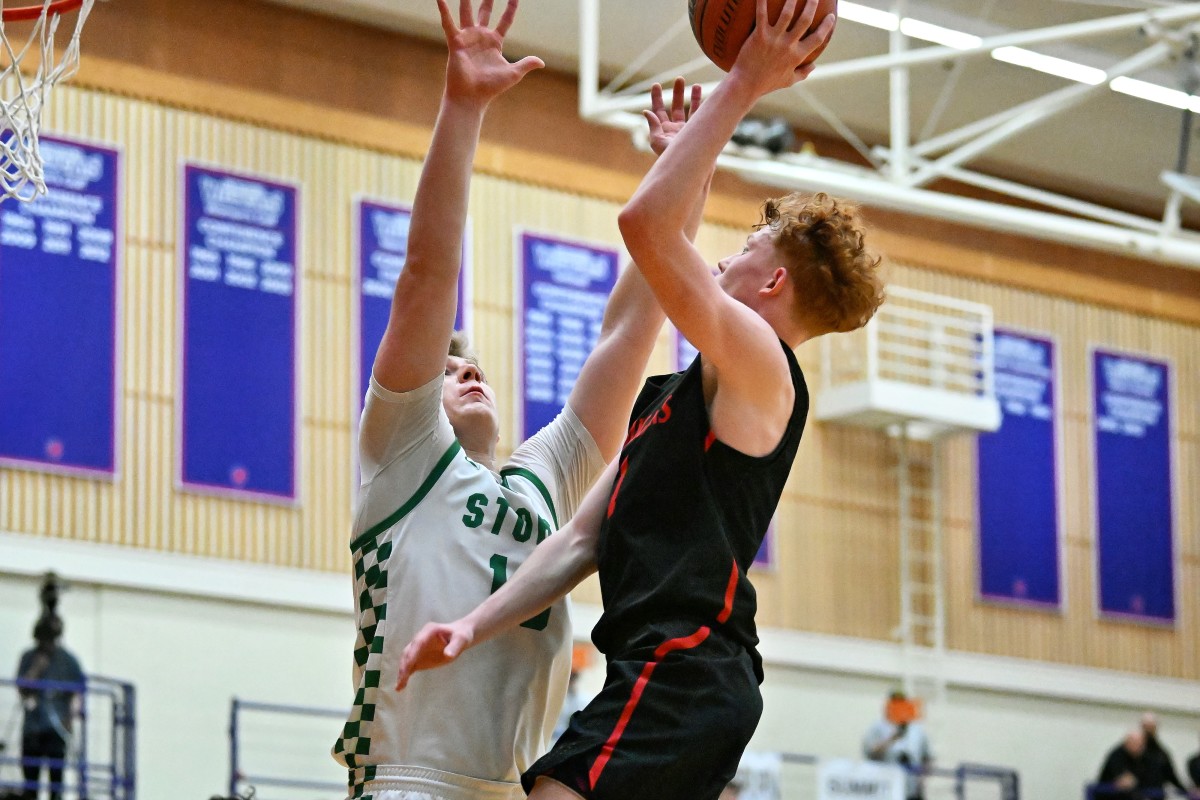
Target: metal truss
x,y
900,172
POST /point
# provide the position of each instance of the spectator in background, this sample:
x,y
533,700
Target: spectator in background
x,y
49,712
1123,769
1158,768
899,738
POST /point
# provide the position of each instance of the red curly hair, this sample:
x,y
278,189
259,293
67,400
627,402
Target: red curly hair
x,y
837,280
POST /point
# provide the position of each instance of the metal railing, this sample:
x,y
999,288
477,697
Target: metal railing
x,y
101,757
918,338
240,776
965,781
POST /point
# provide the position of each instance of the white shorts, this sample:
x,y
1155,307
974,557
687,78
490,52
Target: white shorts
x,y
421,783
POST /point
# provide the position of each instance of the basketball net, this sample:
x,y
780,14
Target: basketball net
x,y
23,97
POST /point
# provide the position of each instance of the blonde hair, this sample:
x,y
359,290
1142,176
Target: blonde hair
x,y
460,347
837,281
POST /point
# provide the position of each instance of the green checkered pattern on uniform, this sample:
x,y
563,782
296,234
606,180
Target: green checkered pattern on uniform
x,y
357,782
370,577
371,581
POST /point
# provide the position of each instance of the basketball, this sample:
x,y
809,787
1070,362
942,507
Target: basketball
x,y
722,26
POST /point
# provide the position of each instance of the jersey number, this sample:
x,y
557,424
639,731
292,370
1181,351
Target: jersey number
x,y
499,565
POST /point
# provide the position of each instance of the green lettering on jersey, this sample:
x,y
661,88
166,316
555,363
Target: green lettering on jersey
x,y
503,505
543,529
476,503
499,565
524,527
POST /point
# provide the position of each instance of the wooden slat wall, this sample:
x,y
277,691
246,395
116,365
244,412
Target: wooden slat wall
x,y
836,544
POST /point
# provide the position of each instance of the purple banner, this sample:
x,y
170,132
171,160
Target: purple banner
x,y
564,287
685,353
237,412
1131,415
382,247
1018,544
59,272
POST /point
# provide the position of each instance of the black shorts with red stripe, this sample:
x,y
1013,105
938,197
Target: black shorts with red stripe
x,y
671,722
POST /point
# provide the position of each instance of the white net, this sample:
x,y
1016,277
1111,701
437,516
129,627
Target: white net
x,y
24,87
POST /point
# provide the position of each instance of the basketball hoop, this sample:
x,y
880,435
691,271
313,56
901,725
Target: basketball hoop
x,y
23,93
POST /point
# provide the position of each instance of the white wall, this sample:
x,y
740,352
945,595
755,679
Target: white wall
x,y
193,633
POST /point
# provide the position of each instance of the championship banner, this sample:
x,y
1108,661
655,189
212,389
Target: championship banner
x,y
563,287
843,779
1018,478
239,375
1132,427
59,271
381,247
685,354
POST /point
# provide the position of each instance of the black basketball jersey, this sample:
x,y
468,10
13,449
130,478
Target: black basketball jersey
x,y
686,516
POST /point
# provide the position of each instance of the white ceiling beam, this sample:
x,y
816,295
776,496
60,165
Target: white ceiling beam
x,y
1037,112
1181,250
898,98
1057,33
1050,199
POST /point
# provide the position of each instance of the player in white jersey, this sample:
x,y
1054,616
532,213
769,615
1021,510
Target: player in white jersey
x,y
439,525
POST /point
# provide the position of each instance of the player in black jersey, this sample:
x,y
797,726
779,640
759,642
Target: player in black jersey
x,y
674,525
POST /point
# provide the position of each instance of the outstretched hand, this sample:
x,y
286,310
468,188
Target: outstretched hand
x,y
435,645
775,54
664,125
476,70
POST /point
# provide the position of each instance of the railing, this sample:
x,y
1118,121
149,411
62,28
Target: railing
x,y
101,759
799,779
305,762
965,781
918,338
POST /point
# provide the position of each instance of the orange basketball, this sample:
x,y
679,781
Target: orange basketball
x,y
722,26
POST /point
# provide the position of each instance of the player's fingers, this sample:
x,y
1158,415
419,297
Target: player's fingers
x,y
506,19
457,644
697,98
656,102
804,20
448,26
485,12
405,670
528,64
817,37
787,15
465,18
761,20
677,111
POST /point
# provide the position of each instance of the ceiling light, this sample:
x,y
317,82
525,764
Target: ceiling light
x,y
866,15
938,35
1059,67
1155,93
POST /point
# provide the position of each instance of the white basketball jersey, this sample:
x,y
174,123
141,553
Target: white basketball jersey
x,y
435,534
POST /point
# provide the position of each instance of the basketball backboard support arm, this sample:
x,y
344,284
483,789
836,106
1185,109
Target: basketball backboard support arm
x,y
903,168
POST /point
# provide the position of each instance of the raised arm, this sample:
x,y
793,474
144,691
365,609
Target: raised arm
x,y
556,566
413,349
612,374
736,340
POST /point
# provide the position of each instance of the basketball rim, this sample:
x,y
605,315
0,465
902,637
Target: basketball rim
x,y
32,12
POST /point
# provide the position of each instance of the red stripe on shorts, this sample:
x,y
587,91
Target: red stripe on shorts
x,y
662,651
708,440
